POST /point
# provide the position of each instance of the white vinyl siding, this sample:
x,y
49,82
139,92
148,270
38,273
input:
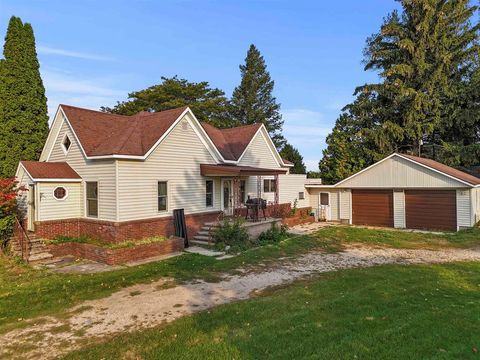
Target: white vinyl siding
x,y
176,160
400,173
313,195
345,204
464,215
102,171
259,154
399,209
50,208
289,188
475,205
22,199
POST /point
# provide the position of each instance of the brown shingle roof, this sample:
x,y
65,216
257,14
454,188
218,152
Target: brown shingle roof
x,y
49,170
110,134
231,142
287,162
444,169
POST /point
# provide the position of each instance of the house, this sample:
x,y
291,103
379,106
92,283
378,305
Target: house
x,y
402,191
116,177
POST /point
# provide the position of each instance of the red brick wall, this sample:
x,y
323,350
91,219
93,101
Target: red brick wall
x,y
117,256
120,231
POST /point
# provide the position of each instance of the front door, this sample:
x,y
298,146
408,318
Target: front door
x,y
227,205
324,210
31,208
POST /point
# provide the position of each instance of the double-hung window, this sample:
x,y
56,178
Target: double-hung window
x,y
269,185
92,198
209,193
162,196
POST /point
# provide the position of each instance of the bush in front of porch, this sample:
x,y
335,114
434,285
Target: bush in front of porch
x,y
232,236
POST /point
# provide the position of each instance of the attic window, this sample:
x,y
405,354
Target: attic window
x,y
66,143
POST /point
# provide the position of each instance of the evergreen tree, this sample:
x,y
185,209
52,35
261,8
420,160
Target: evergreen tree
x,y
23,105
424,56
292,154
253,101
207,104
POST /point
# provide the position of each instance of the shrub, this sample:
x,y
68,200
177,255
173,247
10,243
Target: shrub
x,y
274,235
232,234
9,190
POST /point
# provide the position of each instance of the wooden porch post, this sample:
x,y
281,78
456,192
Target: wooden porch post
x,y
277,187
259,187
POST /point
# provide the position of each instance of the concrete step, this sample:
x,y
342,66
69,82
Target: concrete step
x,y
201,237
212,224
40,256
204,233
201,242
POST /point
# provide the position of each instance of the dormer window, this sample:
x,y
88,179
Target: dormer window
x,y
66,144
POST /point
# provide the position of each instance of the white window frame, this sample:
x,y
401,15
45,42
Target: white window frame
x,y
98,199
167,196
66,193
213,194
65,150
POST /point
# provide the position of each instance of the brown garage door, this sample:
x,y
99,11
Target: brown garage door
x,y
431,209
372,207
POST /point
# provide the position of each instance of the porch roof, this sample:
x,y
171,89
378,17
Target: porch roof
x,y
50,171
235,170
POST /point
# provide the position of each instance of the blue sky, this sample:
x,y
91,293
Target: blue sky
x,y
92,53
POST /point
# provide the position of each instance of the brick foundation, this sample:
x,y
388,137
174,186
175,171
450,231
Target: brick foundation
x,y
115,232
117,256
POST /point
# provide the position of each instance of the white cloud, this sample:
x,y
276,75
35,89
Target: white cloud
x,y
46,50
64,88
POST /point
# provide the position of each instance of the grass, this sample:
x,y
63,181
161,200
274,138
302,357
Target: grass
x,y
121,245
388,312
336,236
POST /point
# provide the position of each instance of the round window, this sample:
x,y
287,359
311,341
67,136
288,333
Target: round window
x,y
60,193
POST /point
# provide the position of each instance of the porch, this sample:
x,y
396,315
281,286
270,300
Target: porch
x,y
245,191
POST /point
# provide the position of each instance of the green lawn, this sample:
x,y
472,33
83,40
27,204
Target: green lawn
x,y
337,236
26,293
388,312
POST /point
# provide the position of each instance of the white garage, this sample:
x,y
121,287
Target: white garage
x,y
402,191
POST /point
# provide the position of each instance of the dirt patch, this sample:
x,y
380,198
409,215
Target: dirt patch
x,y
157,302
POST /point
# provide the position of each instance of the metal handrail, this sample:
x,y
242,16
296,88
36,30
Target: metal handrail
x,y
24,236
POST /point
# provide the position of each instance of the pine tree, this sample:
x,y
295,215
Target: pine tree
x,y
292,154
253,101
23,105
207,104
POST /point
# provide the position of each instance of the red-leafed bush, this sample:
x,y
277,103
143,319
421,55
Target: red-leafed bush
x,y
9,190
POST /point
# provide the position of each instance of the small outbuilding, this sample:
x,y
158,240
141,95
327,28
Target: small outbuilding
x,y
402,191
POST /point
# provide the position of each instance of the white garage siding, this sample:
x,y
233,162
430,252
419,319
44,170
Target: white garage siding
x,y
345,203
464,211
399,173
399,209
50,208
102,171
475,205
